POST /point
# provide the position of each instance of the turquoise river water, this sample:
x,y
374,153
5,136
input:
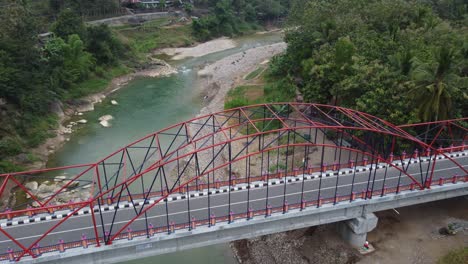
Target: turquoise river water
x,y
147,105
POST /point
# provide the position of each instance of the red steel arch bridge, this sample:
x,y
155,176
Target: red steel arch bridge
x,y
243,163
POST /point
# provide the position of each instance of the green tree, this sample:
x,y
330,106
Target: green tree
x,y
162,5
432,85
68,23
104,46
68,62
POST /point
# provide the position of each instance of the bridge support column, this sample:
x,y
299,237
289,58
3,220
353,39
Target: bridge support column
x,y
354,231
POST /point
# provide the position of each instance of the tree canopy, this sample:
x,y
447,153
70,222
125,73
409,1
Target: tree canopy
x,y
405,61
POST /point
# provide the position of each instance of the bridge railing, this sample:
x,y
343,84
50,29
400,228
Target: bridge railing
x,y
199,185
214,220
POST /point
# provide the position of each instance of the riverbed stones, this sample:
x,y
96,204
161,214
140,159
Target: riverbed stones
x,y
82,121
31,185
114,102
104,120
59,178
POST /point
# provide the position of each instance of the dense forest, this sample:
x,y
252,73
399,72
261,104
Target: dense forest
x,y
232,17
405,61
35,73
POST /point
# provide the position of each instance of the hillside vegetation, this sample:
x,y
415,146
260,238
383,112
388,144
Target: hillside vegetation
x,y
39,73
404,61
234,17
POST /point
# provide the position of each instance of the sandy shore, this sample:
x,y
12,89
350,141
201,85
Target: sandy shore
x,y
218,78
200,49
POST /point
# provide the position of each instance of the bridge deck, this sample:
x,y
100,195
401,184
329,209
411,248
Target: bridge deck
x,y
238,199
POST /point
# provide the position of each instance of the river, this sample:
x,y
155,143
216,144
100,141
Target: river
x,y
146,105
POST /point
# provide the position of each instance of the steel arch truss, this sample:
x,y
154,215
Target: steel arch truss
x,y
234,150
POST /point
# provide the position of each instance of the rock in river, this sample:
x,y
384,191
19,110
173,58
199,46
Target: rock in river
x,y
104,120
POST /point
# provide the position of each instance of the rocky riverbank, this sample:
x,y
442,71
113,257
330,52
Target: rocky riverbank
x,y
69,120
73,109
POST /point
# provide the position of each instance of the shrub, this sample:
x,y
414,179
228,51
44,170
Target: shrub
x,y
9,147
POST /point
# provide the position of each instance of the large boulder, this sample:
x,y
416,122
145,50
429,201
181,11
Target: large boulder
x,y
31,185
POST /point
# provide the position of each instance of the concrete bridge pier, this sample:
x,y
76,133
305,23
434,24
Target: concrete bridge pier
x,y
354,231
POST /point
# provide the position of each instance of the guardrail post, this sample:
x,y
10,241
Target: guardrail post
x,y
353,196
285,207
11,256
384,190
249,214
233,180
109,199
151,229
451,148
441,181
335,166
296,171
303,204
268,211
412,186
217,184
9,214
403,155
390,158
320,202
324,166
212,220
193,223
61,246
129,234
281,174
264,176
455,178
440,150
36,250
70,205
30,212
171,227
462,146
351,163
84,241
428,152
365,161
415,154
231,217
379,158
398,188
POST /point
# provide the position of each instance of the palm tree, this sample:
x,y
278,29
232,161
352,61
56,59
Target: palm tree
x,y
432,90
